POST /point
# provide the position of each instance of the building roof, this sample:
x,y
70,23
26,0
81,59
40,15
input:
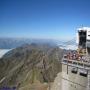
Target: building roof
x,y
84,29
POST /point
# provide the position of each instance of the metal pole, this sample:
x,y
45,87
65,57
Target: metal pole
x,y
67,63
67,67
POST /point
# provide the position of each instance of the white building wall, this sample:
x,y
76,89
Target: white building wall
x,y
88,34
87,29
77,38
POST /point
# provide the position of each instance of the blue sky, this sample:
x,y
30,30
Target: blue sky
x,y
53,19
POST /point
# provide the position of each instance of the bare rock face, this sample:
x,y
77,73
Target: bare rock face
x,y
30,64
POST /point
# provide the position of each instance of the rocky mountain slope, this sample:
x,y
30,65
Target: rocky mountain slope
x,y
31,66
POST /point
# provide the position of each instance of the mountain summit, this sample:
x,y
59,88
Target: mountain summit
x,y
29,64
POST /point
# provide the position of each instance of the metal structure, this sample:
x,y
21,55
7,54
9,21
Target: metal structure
x,y
83,40
79,60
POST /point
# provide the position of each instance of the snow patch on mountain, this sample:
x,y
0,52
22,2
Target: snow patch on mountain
x,y
3,52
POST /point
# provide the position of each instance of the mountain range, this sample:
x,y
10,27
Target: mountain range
x,y
9,43
30,67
